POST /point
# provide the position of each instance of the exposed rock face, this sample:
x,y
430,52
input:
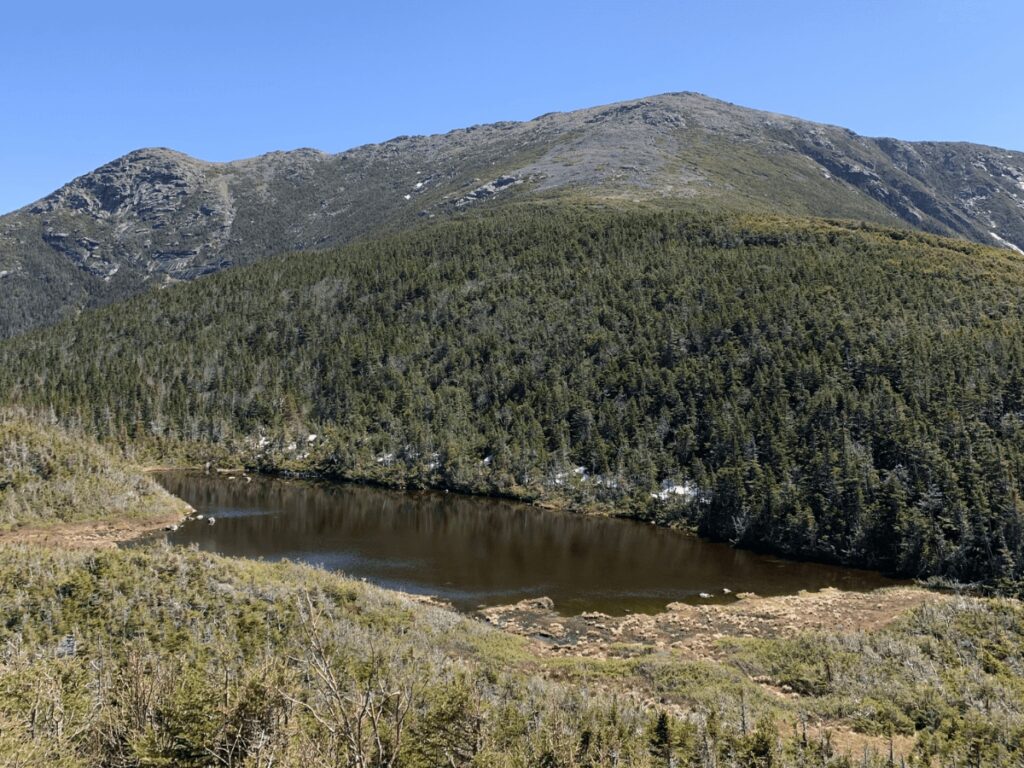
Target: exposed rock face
x,y
157,216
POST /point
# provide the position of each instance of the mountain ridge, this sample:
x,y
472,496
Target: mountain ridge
x,y
156,215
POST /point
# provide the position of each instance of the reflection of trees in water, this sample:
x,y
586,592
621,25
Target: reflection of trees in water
x,y
435,539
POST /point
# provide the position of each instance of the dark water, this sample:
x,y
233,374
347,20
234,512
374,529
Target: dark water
x,y
475,551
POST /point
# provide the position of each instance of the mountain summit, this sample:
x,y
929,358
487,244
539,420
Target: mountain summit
x,y
156,216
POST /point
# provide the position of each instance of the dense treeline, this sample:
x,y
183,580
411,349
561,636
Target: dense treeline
x,y
813,388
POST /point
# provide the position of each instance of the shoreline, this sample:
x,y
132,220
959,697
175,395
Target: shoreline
x,y
557,504
698,631
86,534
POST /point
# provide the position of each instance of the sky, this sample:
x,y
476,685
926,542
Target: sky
x,y
86,82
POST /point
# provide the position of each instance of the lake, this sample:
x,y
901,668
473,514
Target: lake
x,y
475,552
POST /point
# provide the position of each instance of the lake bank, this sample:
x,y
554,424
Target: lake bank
x,y
698,631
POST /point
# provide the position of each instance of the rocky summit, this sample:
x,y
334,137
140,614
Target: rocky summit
x,y
156,216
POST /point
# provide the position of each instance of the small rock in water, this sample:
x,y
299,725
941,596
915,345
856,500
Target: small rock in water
x,y
726,591
211,521
199,517
705,595
536,603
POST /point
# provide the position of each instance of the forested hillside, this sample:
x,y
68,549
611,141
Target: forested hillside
x,y
818,389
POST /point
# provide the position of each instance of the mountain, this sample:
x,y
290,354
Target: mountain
x,y
156,216
842,392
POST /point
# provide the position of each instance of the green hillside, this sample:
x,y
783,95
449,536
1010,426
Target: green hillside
x,y
48,475
169,657
114,658
813,388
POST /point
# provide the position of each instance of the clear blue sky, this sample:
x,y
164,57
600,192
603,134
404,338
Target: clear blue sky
x,y
84,82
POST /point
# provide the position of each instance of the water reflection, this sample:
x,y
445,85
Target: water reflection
x,y
475,551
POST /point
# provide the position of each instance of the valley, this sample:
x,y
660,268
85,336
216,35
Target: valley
x,y
156,653
660,433
800,387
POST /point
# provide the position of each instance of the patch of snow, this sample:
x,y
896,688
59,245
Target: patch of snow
x,y
4,273
1007,243
263,442
486,461
607,482
385,458
311,439
419,185
581,471
688,491
408,197
292,447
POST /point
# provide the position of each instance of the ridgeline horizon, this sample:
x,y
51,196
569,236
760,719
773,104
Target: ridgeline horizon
x,y
156,215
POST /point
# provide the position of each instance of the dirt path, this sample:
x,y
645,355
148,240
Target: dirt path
x,y
89,534
695,630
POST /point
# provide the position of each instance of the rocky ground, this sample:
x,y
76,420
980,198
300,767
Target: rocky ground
x,y
695,630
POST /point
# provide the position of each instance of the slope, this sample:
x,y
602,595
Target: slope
x,y
48,476
840,392
155,215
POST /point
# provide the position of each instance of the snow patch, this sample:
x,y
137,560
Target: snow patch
x,y
1007,243
687,491
408,197
311,439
